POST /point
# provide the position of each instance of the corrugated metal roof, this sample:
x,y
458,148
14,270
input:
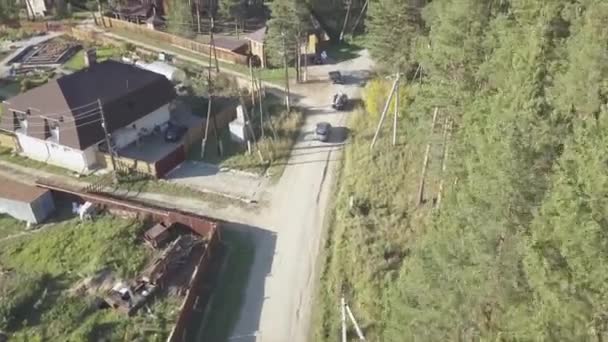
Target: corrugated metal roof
x,y
160,68
19,192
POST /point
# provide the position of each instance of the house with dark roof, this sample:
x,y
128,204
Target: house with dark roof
x,y
61,122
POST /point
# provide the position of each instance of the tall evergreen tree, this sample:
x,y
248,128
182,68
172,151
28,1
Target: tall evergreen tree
x,y
179,18
286,27
393,28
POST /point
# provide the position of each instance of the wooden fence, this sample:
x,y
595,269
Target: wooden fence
x,y
223,54
104,160
9,140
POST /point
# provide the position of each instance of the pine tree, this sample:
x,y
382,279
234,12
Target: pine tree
x,y
234,9
392,30
179,19
286,28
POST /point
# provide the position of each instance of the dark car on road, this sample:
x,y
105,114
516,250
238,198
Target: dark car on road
x,y
174,133
336,77
322,131
339,101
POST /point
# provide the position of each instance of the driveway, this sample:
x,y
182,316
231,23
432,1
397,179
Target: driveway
x,y
279,295
210,178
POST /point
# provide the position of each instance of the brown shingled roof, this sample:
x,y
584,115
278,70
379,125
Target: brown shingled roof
x,y
19,192
127,93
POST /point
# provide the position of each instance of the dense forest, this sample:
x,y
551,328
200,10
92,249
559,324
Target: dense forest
x,y
518,248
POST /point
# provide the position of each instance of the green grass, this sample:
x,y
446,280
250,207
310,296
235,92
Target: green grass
x,y
346,50
6,154
134,184
37,303
366,243
9,226
270,75
275,152
103,53
229,294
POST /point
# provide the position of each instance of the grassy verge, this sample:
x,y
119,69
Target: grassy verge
x,y
229,292
133,185
9,226
269,75
42,270
103,53
346,50
367,241
273,153
7,154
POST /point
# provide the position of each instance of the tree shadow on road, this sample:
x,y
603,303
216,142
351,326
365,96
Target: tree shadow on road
x,y
238,294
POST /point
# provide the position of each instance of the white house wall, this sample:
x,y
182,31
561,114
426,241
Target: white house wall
x,y
127,135
17,209
52,153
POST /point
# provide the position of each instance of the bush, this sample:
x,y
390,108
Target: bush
x,y
19,292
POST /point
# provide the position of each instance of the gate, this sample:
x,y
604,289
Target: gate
x,y
170,161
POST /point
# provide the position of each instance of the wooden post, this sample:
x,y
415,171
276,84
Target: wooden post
x,y
360,15
107,139
395,118
252,84
446,138
350,5
426,161
352,319
386,105
287,104
343,309
204,144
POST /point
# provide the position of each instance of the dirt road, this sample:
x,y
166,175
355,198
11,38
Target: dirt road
x,y
280,291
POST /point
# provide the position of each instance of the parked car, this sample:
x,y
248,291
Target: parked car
x,y
322,131
336,77
174,133
339,101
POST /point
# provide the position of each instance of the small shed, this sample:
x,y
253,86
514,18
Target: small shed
x,y
24,202
157,235
172,73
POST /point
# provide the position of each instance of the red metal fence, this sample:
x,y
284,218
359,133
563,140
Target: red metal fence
x,y
199,289
198,295
170,161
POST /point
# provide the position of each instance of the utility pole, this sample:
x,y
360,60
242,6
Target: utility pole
x,y
425,162
354,321
360,15
386,105
343,310
252,83
210,92
395,116
198,16
306,63
106,134
103,22
287,104
350,5
212,44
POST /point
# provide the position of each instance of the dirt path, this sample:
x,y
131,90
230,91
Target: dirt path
x,y
280,292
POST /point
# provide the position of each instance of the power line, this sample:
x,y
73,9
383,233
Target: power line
x,y
79,118
63,129
71,110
